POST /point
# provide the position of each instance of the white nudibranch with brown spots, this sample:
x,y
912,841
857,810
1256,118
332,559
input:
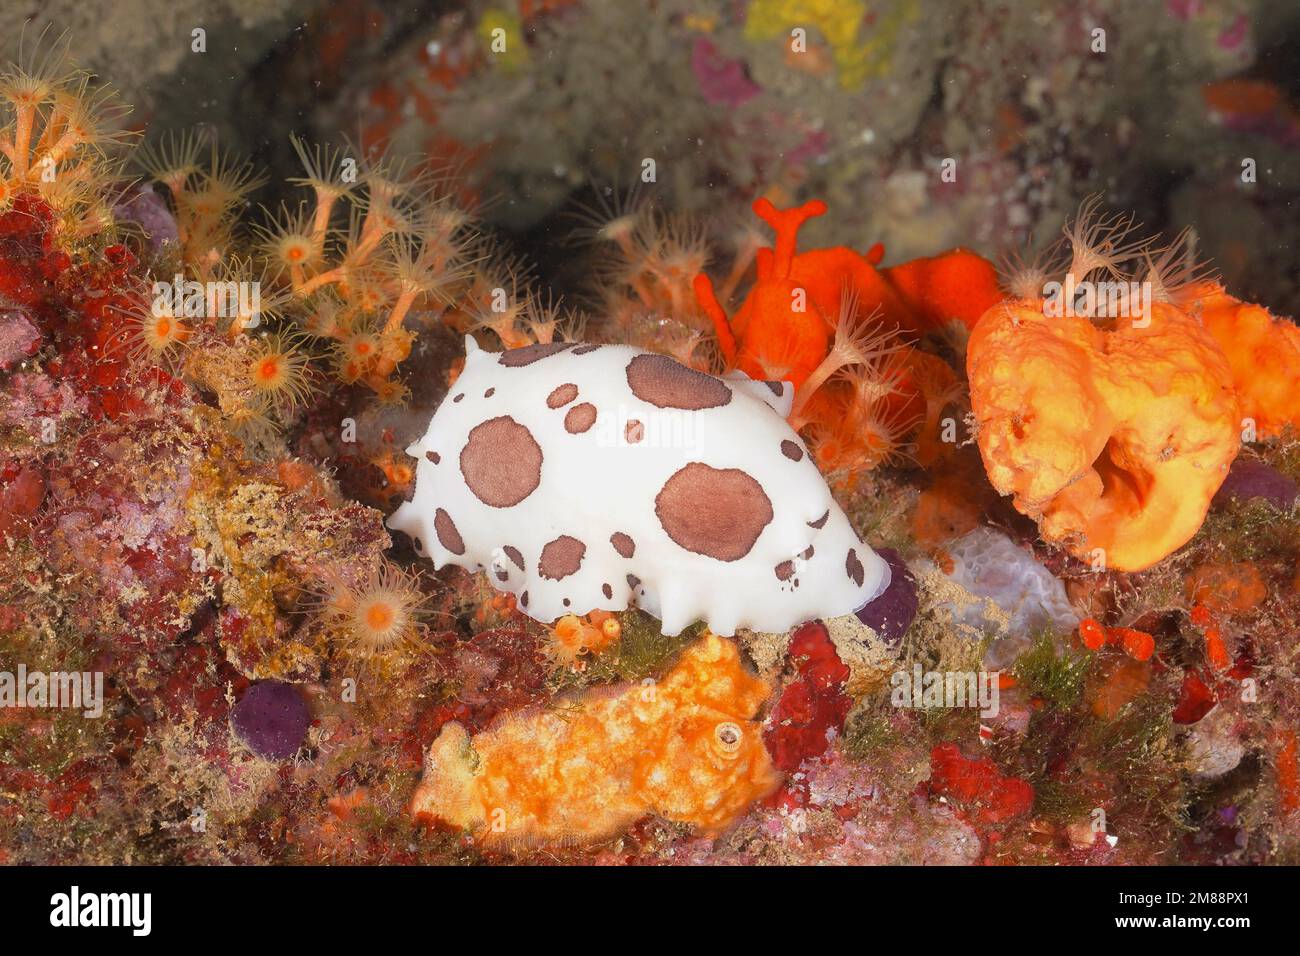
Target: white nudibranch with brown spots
x,y
585,477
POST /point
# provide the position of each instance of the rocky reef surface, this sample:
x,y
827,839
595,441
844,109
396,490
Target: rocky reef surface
x,y
214,650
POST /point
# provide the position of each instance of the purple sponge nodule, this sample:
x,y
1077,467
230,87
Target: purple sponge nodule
x,y
1252,478
892,613
272,718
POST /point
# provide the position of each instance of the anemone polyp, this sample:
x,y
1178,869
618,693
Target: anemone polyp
x,y
291,250
278,371
54,120
572,639
369,295
882,438
348,370
361,346
567,642
391,392
289,242
164,330
152,331
382,615
295,250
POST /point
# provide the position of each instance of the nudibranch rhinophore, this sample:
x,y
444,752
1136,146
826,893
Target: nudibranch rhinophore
x,y
588,477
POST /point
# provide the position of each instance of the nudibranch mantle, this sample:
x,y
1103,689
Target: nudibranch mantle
x,y
585,477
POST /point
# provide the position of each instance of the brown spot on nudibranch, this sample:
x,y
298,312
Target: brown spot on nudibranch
x,y
785,571
665,383
579,418
820,522
623,544
777,389
633,581
458,398
433,456
807,555
448,534
634,431
717,512
561,395
501,462
489,393
791,450
854,567
523,599
561,557
606,590
584,349
503,575
513,554
518,358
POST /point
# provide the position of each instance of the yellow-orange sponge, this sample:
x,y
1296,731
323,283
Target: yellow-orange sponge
x,y
1113,440
1264,353
585,769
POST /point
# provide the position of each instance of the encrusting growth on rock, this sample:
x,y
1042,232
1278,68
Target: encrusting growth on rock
x,y
686,748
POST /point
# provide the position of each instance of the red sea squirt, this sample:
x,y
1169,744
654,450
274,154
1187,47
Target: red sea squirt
x,y
22,489
813,705
1195,700
977,787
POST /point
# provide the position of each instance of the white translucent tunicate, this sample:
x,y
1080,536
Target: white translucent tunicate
x,y
1214,746
990,565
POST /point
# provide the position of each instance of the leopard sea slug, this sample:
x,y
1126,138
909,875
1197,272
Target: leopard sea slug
x,y
590,477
